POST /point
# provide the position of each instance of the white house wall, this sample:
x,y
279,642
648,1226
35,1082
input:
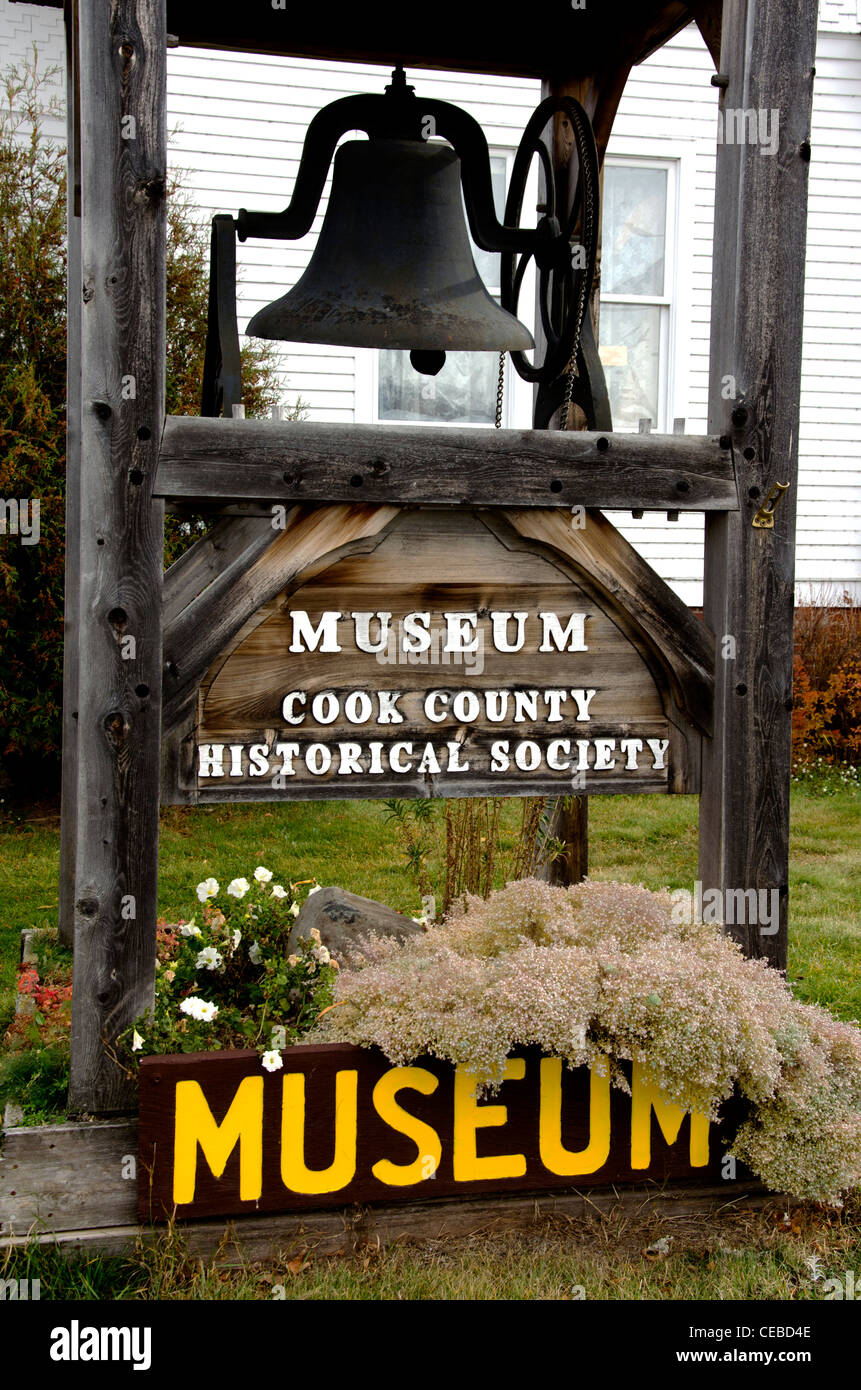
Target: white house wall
x,y
238,123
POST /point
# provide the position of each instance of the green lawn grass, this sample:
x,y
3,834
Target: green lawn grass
x,y
740,1255
646,839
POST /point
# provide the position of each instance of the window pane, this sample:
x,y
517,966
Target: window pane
x,y
464,392
630,352
634,239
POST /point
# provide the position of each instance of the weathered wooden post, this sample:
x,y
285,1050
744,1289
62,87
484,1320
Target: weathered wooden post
x,y
766,71
69,816
120,548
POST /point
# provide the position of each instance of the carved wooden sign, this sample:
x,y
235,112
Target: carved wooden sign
x,y
339,1124
451,656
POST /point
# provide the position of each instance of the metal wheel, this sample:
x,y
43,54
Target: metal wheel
x,y
563,288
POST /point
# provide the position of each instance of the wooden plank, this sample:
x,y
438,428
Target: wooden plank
x,y
340,1124
205,626
707,14
247,1239
527,49
68,1177
69,793
767,53
683,645
123,170
194,793
505,705
206,460
233,544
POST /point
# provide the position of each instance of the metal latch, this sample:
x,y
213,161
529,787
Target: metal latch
x,y
764,518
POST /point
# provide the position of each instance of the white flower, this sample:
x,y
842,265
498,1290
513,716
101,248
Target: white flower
x,y
293,960
238,887
137,1041
254,953
189,929
272,1060
209,958
279,892
315,934
201,1009
237,937
262,875
294,909
207,889
321,954
311,891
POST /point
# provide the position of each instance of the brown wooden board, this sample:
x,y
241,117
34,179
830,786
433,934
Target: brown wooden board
x,y
634,28
203,460
339,1124
294,708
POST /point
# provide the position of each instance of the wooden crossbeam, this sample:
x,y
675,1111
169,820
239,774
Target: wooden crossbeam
x,y
207,461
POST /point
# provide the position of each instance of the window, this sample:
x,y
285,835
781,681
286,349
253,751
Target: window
x,y
464,392
637,285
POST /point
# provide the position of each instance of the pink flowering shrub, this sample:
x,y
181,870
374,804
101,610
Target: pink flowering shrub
x,y
598,974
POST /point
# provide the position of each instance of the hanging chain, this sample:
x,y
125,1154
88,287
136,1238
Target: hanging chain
x,y
570,374
500,391
583,295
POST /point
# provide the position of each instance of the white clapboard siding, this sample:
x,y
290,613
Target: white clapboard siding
x,y
22,26
238,122
829,514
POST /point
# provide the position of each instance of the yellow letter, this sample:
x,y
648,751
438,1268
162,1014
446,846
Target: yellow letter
x,y
243,1125
294,1174
469,1116
644,1099
555,1157
426,1140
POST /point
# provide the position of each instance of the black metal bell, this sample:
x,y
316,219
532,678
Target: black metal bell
x,y
393,265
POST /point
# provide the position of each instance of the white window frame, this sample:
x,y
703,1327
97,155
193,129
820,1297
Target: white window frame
x,y
677,158
517,401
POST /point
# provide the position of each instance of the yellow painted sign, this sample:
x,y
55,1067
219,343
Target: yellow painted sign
x,y
339,1124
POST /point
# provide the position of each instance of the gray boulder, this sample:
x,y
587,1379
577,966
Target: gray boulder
x,y
341,917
